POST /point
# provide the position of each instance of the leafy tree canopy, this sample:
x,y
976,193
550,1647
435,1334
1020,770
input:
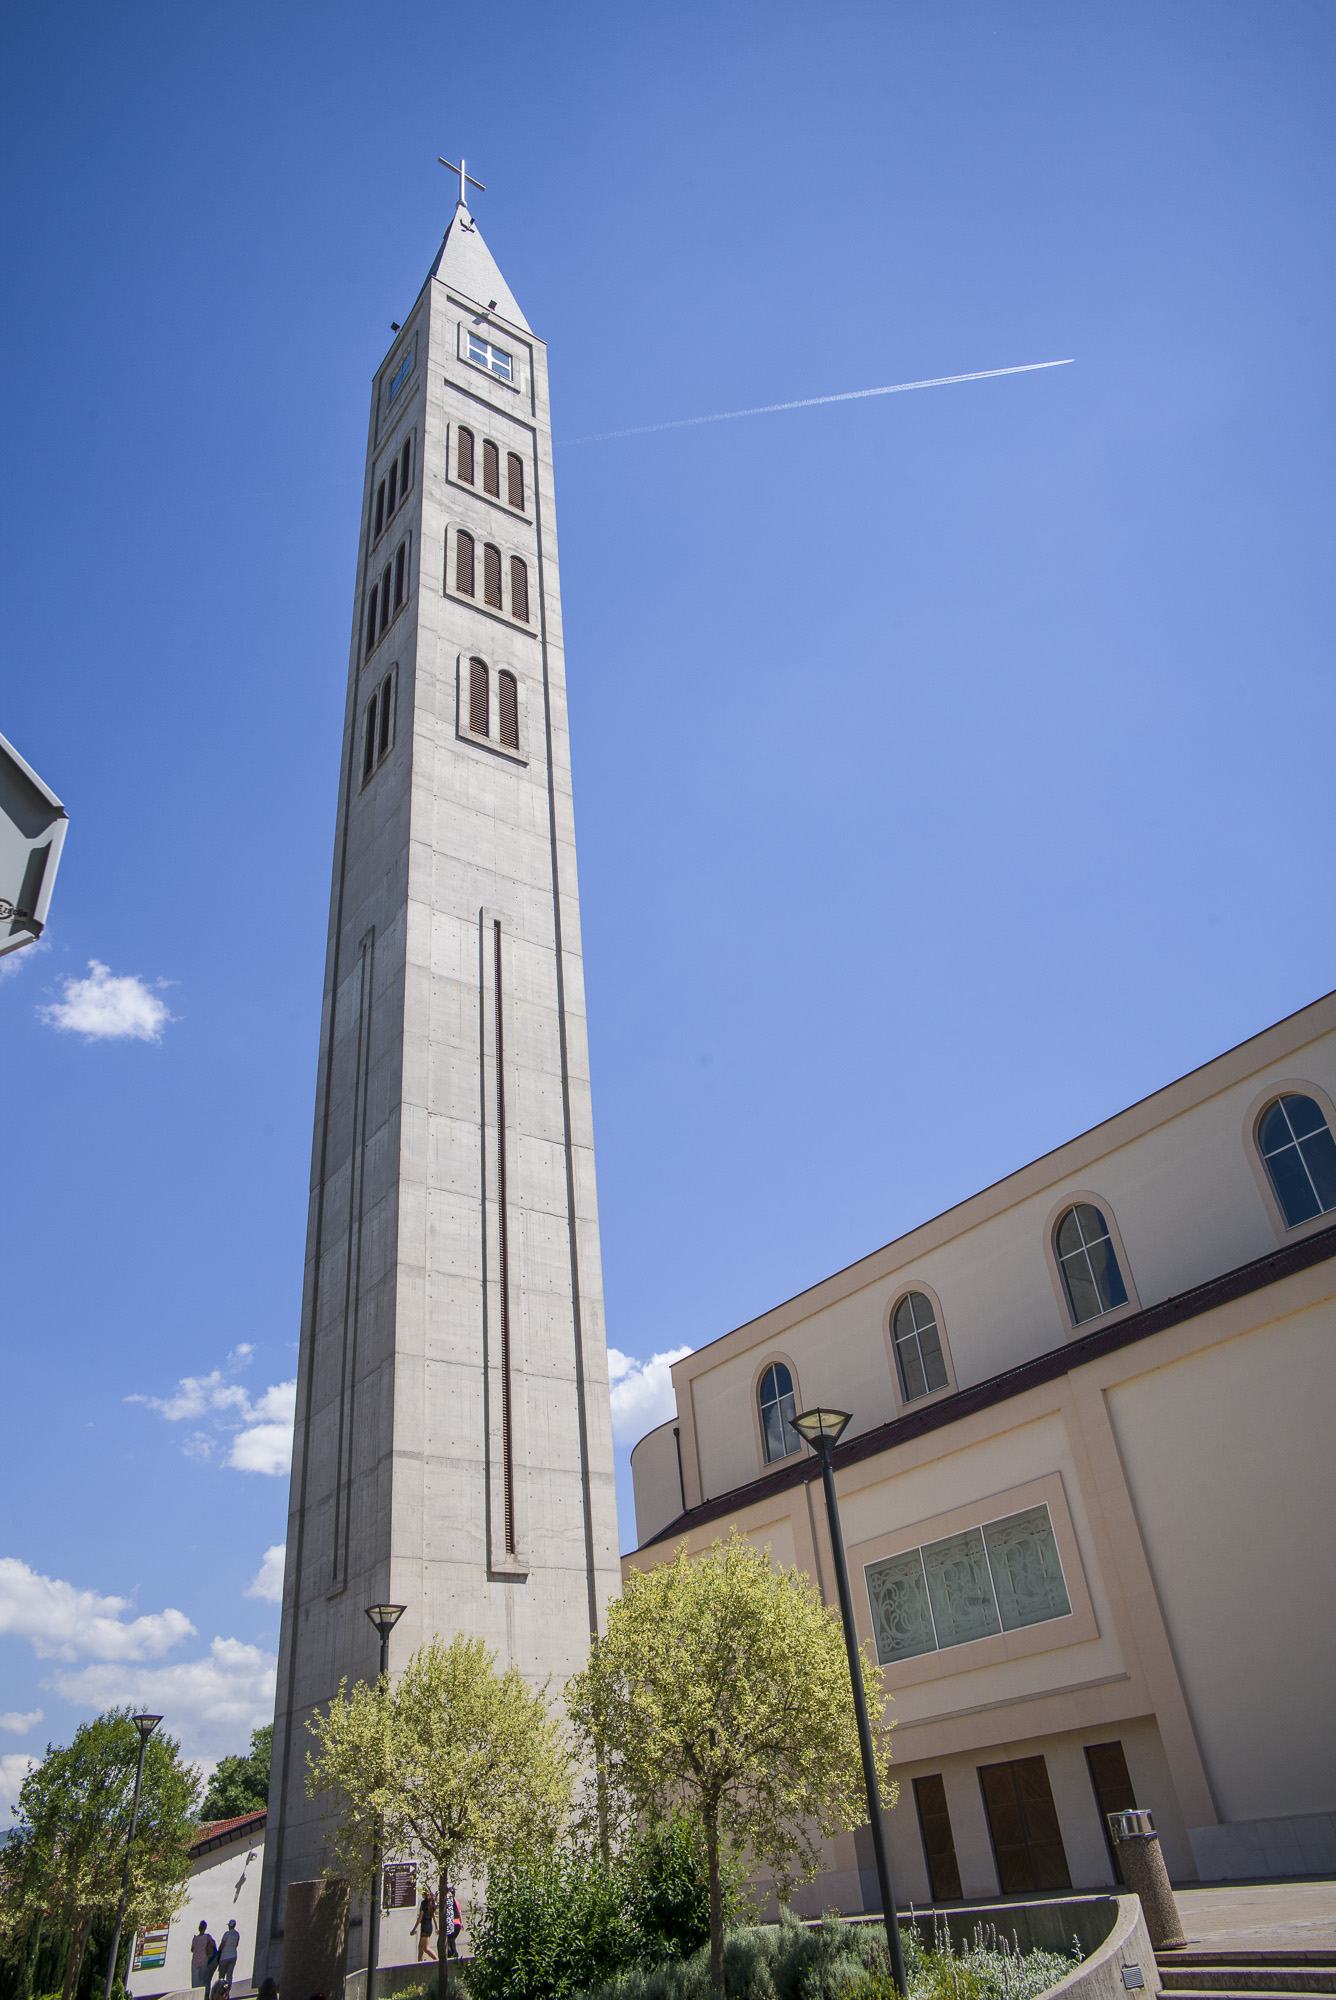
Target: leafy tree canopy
x,y
63,1861
450,1766
241,1784
721,1688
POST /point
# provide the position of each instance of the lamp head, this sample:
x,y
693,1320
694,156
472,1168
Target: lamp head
x,y
822,1428
385,1617
145,1724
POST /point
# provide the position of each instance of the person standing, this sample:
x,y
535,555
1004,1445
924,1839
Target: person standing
x,y
425,1925
229,1945
203,1958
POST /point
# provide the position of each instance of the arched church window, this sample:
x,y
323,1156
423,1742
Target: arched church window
x,y
1295,1141
491,469
515,479
479,704
464,457
1089,1263
464,563
491,575
519,589
778,1410
918,1347
508,700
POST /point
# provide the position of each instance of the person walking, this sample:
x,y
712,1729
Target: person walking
x,y
229,1945
451,1922
425,1925
203,1958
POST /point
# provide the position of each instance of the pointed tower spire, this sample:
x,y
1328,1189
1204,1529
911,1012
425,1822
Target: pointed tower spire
x,y
453,1441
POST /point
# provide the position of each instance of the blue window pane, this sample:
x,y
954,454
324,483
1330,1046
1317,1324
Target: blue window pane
x,y
1294,1190
1274,1131
1320,1158
1304,1116
781,1380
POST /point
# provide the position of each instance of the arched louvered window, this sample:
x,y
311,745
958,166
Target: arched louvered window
x,y
464,457
515,479
405,467
778,1410
386,726
392,496
508,699
479,705
385,597
464,563
369,739
379,521
1089,1263
400,573
491,575
1295,1141
491,469
918,1347
372,605
519,589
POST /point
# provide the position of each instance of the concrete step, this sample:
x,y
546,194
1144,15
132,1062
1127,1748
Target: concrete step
x,y
1181,1972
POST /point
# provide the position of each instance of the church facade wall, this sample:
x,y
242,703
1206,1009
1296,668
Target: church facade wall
x,y
1184,1463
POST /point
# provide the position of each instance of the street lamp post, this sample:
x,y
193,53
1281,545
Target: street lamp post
x,y
823,1429
145,1724
384,1617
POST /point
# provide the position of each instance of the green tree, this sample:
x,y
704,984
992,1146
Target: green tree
x,y
721,1688
450,1766
241,1784
63,1861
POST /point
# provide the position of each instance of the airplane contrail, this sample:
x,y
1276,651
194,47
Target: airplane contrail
x,y
808,402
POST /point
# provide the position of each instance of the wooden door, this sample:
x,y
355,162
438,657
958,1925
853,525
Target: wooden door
x,y
1023,1826
939,1845
1113,1790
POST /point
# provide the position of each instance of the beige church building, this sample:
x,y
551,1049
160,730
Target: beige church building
x,y
1088,1493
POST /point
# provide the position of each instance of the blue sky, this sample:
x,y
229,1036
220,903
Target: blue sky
x,y
951,769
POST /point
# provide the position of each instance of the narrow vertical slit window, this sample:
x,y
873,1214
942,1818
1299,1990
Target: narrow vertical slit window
x,y
464,563
508,697
491,575
464,457
380,511
515,479
385,597
372,602
386,717
491,469
507,1431
405,466
392,493
369,741
400,573
519,589
479,698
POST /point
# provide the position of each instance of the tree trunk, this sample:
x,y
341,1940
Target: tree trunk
x,y
29,1976
716,1906
77,1944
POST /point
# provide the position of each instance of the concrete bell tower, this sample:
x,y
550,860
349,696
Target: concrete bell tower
x,y
453,1448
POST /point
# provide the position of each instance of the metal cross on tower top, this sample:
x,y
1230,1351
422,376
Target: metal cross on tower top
x,y
462,177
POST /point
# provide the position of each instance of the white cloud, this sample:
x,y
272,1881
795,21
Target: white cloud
x,y
18,1725
266,1448
106,1008
211,1703
260,1430
14,1768
64,1623
267,1582
641,1392
14,961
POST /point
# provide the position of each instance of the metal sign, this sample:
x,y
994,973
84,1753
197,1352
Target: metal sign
x,y
32,833
400,1885
151,1949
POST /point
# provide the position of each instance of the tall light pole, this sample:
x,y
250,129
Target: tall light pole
x,y
384,1617
145,1724
823,1430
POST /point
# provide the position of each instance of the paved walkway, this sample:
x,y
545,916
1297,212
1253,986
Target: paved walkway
x,y
1260,1916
